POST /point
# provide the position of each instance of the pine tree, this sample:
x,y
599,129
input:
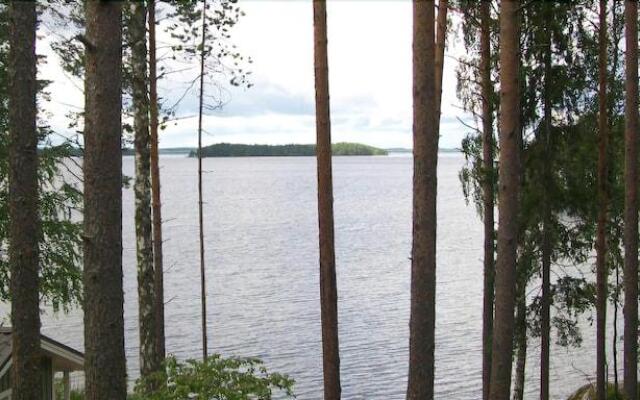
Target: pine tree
x,y
24,226
203,288
105,364
425,162
508,202
328,287
158,260
149,360
601,240
631,203
487,194
545,314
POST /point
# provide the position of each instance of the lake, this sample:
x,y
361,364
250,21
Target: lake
x,y
262,272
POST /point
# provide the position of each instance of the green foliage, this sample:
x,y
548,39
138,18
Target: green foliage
x,y
588,392
356,149
566,31
60,207
59,391
216,378
305,150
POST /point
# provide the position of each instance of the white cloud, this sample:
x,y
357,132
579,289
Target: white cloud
x,y
370,79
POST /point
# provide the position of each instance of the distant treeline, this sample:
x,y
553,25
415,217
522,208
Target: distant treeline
x,y
72,151
262,150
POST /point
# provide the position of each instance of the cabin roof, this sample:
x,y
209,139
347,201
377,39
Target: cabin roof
x,y
64,358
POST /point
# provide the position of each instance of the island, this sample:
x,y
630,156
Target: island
x,y
300,150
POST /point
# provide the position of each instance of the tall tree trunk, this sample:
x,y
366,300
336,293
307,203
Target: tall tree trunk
x,y
508,202
441,43
521,339
487,193
545,318
425,162
149,361
328,287
24,221
601,245
158,266
105,370
631,203
614,334
203,288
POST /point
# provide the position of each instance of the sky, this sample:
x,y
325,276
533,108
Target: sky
x,y
369,77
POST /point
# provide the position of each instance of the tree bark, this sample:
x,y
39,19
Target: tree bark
x,y
601,245
508,202
487,193
156,206
521,338
149,361
203,287
441,44
614,335
24,221
105,370
545,317
425,162
631,203
328,287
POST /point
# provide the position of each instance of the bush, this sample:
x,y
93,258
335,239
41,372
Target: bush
x,y
58,387
587,392
216,378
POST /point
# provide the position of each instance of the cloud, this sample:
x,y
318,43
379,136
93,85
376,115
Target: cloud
x,y
369,70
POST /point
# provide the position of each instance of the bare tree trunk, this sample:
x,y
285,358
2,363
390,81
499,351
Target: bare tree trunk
x,y
521,338
614,334
487,193
441,43
508,203
155,186
203,288
425,163
545,318
601,245
24,221
328,287
105,370
149,361
631,203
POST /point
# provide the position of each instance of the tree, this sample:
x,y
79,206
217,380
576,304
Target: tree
x,y
221,60
487,194
601,244
24,227
59,202
105,370
508,202
631,203
425,162
545,315
149,360
441,44
158,260
520,343
328,287
203,290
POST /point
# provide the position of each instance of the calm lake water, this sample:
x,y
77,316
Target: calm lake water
x,y
262,272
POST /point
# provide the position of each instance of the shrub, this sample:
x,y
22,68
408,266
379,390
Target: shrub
x,y
216,378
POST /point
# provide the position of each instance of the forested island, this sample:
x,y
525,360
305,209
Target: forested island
x,y
300,150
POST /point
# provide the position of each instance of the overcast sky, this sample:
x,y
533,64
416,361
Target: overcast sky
x,y
369,68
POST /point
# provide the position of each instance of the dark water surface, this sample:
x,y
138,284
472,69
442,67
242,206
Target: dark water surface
x,y
262,271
